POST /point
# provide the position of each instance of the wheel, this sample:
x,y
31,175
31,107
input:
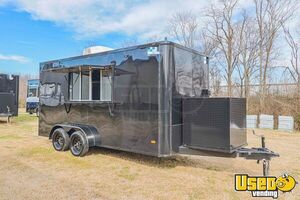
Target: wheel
x,y
60,140
78,144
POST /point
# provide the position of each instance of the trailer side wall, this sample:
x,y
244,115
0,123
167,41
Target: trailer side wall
x,y
129,122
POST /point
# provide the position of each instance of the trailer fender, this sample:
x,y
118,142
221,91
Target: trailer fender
x,y
91,133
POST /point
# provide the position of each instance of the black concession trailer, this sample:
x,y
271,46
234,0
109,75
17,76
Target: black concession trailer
x,y
9,95
151,99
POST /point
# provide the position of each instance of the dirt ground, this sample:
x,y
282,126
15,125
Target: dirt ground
x,y
31,169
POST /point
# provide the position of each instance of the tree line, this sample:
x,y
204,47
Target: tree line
x,y
245,44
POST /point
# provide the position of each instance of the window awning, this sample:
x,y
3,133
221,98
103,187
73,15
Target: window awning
x,y
77,68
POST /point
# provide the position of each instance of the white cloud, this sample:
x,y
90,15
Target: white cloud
x,y
16,58
90,18
3,2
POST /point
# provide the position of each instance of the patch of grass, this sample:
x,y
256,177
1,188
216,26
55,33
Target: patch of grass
x,y
9,137
49,155
297,173
213,168
28,129
195,195
126,174
36,151
233,194
24,117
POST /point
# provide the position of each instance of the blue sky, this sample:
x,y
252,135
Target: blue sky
x,y
33,31
33,41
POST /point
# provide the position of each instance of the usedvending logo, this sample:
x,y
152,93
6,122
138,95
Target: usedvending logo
x,y
264,186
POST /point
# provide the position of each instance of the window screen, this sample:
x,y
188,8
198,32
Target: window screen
x,y
93,85
106,85
85,85
74,85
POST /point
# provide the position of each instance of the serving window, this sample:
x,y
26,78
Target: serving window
x,y
90,85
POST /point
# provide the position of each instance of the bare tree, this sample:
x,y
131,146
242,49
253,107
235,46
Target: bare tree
x,y
270,15
184,27
248,53
215,77
208,46
293,40
223,30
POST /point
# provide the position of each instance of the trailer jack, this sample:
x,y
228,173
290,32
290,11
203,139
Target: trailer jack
x,y
261,154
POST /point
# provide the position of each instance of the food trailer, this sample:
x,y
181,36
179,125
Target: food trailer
x,y
151,99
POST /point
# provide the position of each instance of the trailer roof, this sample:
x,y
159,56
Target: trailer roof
x,y
2,74
127,49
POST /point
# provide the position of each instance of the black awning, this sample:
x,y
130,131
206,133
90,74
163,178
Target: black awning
x,y
77,68
118,72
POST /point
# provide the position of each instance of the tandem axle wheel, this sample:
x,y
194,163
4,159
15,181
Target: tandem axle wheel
x,y
76,142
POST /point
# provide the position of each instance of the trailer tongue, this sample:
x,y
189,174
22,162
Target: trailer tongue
x,y
260,154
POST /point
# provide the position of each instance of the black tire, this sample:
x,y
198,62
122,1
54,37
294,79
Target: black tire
x,y
60,140
78,144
